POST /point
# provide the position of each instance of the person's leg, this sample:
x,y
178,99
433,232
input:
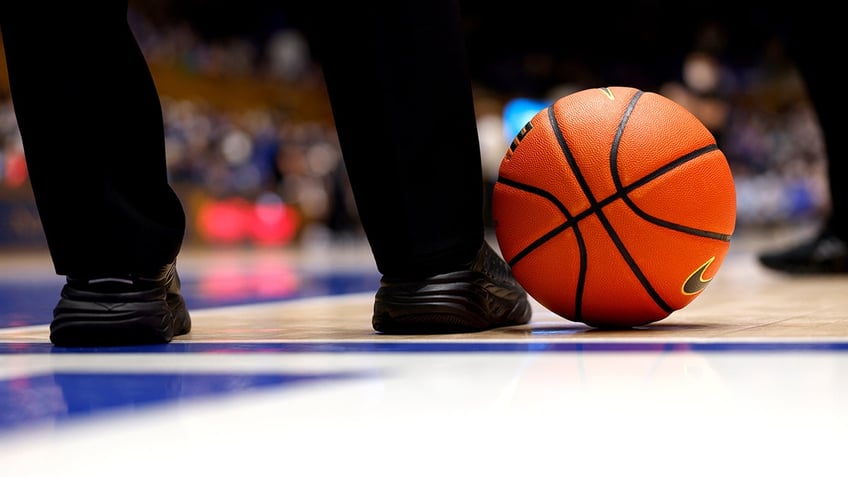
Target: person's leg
x,y
402,101
817,72
91,125
808,33
403,108
92,131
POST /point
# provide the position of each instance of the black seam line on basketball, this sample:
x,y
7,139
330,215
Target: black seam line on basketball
x,y
570,220
536,191
622,192
598,211
569,223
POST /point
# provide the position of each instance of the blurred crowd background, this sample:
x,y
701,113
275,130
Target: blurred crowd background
x,y
252,150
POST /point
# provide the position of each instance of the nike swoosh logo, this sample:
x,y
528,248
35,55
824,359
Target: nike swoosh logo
x,y
695,283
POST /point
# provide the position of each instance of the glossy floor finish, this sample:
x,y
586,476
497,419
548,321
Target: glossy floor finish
x,y
283,375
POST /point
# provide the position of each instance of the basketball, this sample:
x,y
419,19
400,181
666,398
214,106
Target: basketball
x,y
614,207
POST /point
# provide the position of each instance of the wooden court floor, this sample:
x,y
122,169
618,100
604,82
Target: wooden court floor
x,y
743,302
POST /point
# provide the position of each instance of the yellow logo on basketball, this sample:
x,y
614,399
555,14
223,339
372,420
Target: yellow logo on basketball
x,y
695,282
607,92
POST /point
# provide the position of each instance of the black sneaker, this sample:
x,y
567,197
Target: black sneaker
x,y
824,254
483,296
127,310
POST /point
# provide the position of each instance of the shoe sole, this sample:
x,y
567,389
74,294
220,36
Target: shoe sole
x,y
79,322
455,303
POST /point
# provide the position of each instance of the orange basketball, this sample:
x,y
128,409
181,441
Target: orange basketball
x,y
614,207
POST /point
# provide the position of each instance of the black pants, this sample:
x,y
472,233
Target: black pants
x,y
92,130
815,41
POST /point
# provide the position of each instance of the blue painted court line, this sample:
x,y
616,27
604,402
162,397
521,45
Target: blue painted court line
x,y
470,346
60,397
